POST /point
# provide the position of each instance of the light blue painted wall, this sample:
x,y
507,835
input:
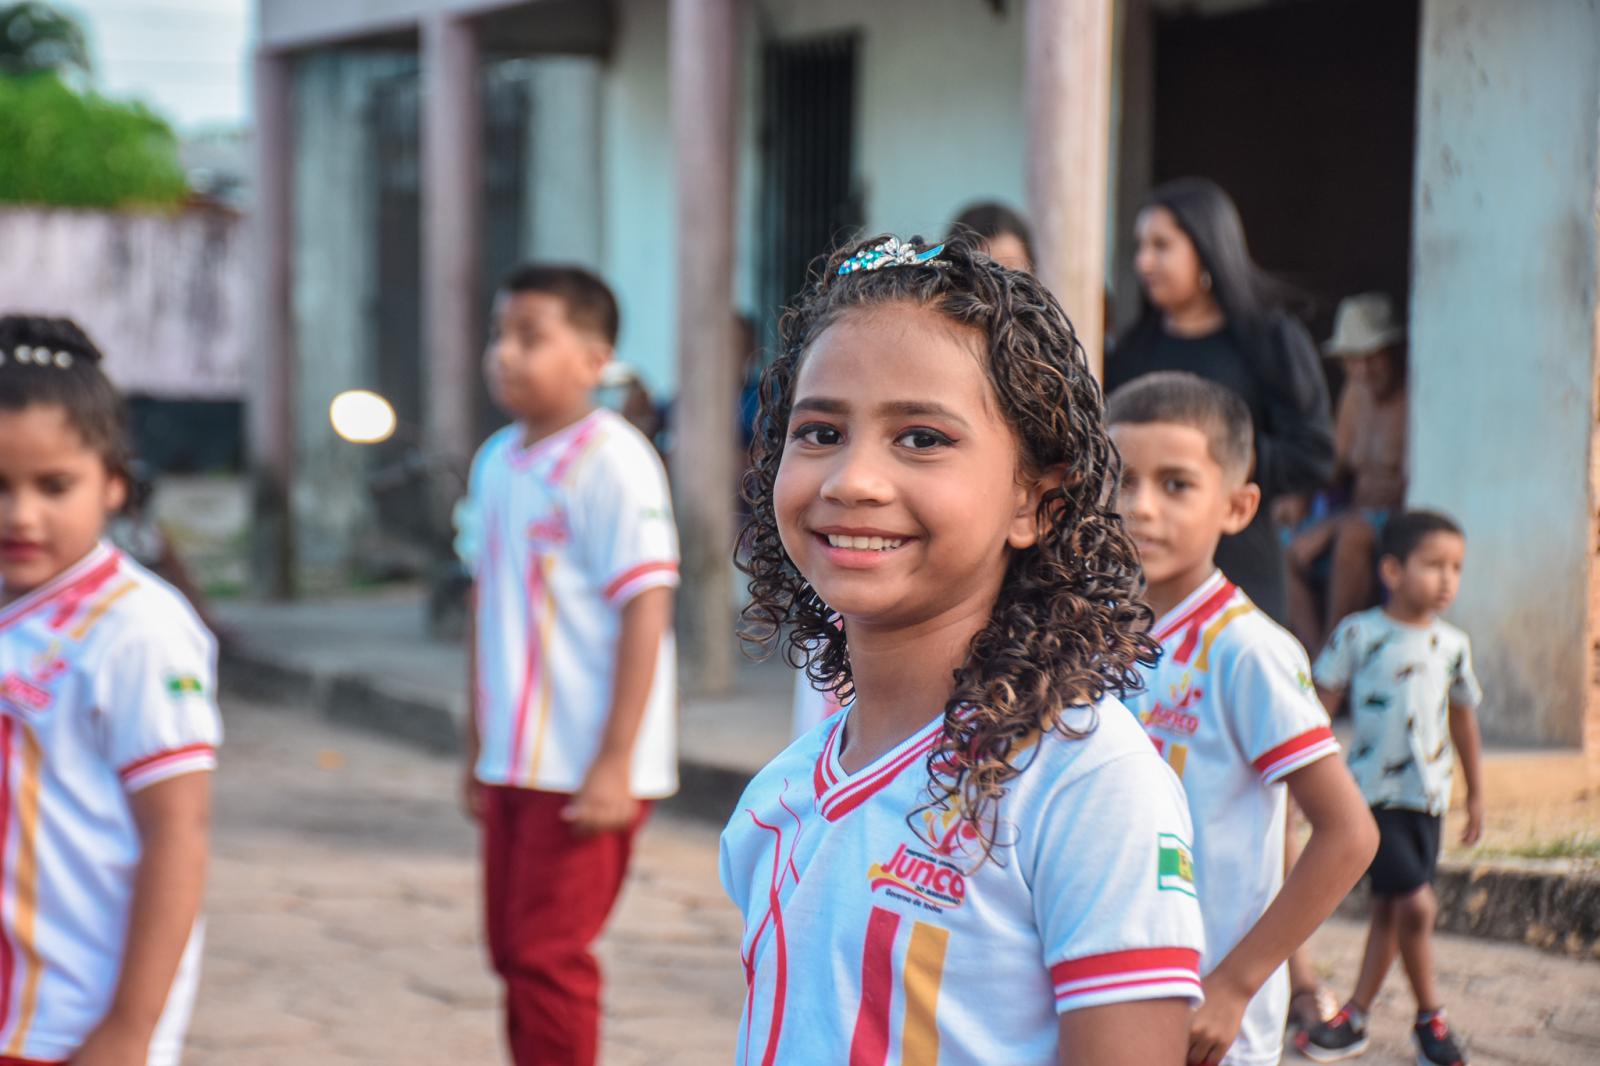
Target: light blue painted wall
x,y
940,123
1503,336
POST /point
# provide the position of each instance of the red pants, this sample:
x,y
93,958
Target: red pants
x,y
547,894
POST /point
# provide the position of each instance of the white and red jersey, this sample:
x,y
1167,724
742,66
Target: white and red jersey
x,y
1231,708
107,686
875,932
560,536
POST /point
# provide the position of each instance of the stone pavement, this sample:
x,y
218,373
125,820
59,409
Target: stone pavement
x,y
343,929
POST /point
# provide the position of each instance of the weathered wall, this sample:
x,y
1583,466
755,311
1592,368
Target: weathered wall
x,y
334,293
1503,337
165,296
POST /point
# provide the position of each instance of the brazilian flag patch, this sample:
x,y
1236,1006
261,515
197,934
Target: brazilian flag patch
x,y
1175,872
185,685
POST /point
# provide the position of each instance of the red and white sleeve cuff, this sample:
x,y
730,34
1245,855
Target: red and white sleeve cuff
x,y
1291,755
628,584
162,765
1126,976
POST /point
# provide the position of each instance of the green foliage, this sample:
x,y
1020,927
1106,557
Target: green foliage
x,y
34,38
74,149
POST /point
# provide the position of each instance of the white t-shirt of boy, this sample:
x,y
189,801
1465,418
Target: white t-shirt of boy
x,y
875,933
1231,708
107,687
1401,681
559,537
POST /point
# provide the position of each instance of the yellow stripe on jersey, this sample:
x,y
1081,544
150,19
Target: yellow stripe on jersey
x,y
922,976
546,624
26,883
96,612
1216,628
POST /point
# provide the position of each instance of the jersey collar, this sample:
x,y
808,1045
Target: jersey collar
x,y
839,793
93,568
1202,601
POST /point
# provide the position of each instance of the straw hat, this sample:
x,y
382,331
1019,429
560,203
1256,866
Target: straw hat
x,y
1362,325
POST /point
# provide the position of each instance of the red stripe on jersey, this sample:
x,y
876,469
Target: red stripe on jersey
x,y
531,665
72,598
87,583
1197,621
857,793
625,578
869,1044
161,756
8,951
1206,607
822,777
1126,963
573,450
1286,751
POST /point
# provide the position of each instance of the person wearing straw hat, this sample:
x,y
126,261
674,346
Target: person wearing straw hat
x,y
1369,474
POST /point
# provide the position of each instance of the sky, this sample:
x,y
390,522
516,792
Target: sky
x,y
186,59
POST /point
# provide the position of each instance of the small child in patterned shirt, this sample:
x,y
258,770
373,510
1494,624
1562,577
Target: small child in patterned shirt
x,y
1413,694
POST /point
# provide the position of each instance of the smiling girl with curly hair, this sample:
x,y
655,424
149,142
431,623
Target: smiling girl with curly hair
x,y
981,858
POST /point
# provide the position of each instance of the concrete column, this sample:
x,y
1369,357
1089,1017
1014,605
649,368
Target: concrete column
x,y
1067,85
452,232
271,410
704,81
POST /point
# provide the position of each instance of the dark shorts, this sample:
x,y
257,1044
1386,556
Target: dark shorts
x,y
1408,851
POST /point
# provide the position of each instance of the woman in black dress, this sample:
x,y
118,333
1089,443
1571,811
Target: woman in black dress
x,y
1208,309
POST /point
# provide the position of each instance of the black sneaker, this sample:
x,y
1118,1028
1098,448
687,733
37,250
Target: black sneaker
x,y
1436,1044
1336,1039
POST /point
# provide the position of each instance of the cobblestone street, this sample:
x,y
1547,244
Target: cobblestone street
x,y
343,930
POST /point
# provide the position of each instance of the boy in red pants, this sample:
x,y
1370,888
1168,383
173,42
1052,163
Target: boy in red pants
x,y
568,529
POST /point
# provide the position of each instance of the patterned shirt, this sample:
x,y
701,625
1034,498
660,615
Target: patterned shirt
x,y
1401,681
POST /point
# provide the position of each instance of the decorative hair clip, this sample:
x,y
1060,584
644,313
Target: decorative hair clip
x,y
22,355
892,252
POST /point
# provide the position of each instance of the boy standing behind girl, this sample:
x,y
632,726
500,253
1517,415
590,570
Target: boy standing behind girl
x,y
568,529
1230,707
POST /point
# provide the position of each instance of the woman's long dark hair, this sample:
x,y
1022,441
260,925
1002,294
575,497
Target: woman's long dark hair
x,y
1248,295
1070,624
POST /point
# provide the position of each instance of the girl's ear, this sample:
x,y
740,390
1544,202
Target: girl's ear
x,y
1025,532
1243,502
116,493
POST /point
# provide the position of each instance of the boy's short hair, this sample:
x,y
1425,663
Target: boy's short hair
x,y
1185,399
1405,532
589,301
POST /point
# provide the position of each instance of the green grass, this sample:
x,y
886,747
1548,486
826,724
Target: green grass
x,y
1579,846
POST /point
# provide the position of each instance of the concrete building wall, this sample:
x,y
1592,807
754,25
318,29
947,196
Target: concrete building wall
x,y
1503,337
165,296
940,123
335,210
563,211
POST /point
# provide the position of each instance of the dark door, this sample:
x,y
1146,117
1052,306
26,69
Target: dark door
x,y
809,195
1306,114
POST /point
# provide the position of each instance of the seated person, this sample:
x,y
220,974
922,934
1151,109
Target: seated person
x,y
1340,546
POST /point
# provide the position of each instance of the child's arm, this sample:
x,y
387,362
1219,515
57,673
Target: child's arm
x,y
605,801
1464,735
1331,699
172,817
471,743
1126,1034
1343,840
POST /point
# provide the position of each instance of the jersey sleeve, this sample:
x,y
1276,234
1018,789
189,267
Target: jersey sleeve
x,y
157,698
1276,718
1337,663
625,523
1464,688
1112,882
468,515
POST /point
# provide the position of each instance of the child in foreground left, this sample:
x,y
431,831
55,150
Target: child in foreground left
x,y
108,733
981,859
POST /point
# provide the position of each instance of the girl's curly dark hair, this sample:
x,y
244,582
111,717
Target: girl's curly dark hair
x,y
1070,622
77,384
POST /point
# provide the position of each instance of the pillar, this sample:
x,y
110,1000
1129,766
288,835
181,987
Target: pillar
x,y
270,411
1067,86
452,234
703,50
